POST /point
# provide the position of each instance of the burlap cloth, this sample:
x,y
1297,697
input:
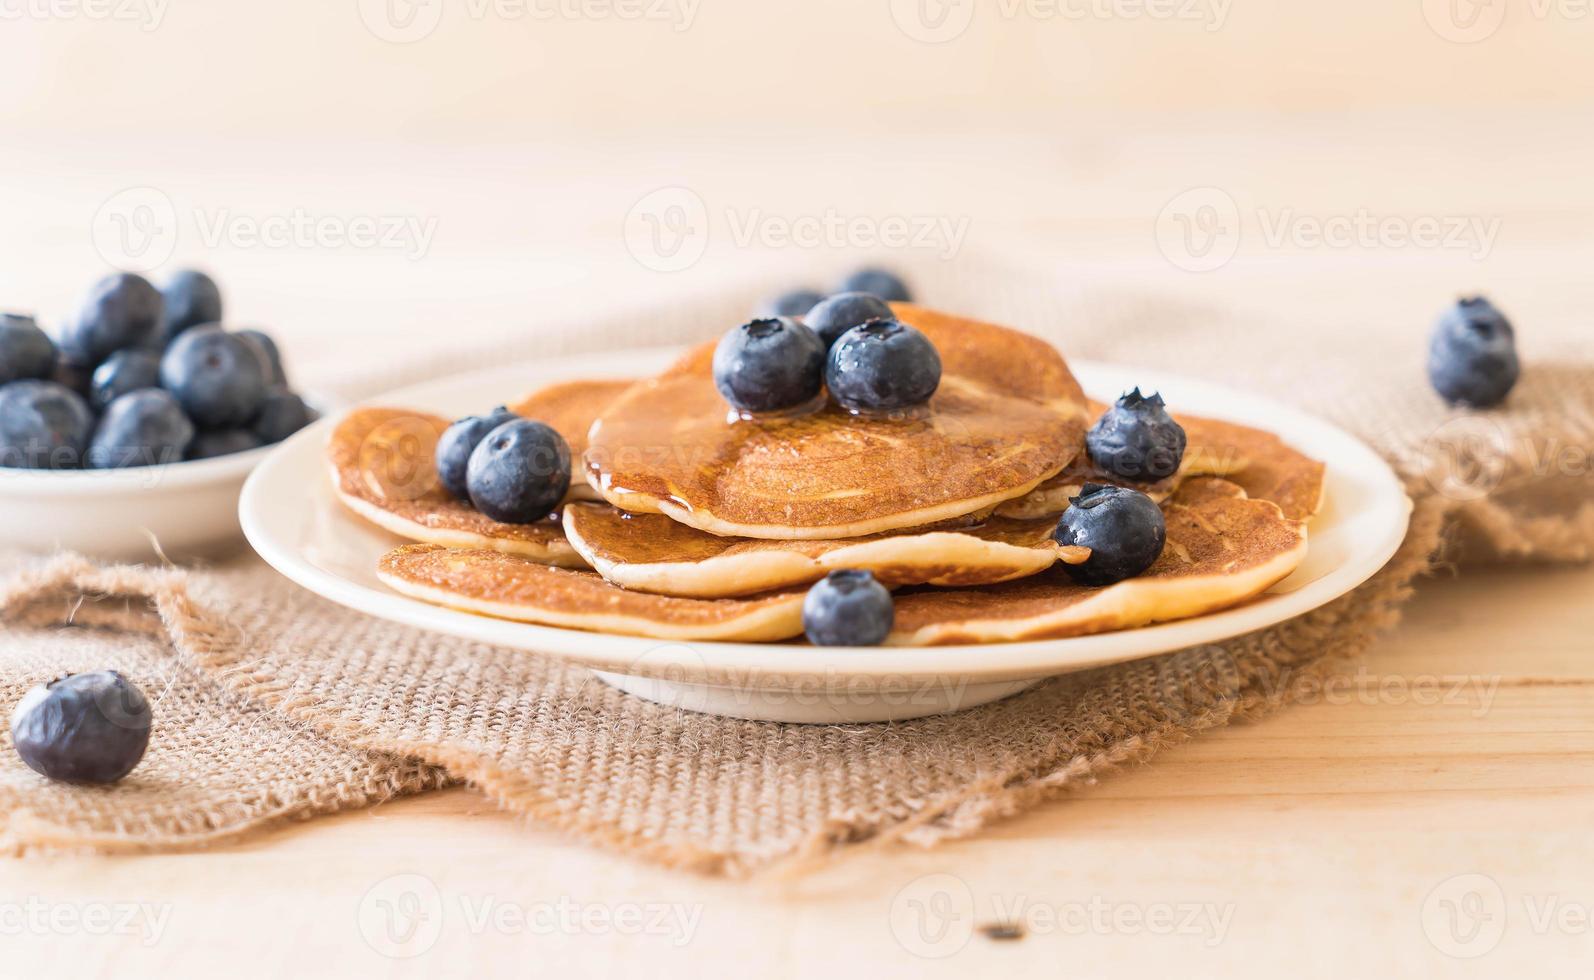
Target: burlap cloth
x,y
273,704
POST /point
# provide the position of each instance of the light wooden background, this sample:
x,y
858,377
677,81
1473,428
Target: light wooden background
x,y
1376,833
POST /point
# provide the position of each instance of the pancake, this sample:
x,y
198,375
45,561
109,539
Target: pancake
x,y
511,587
1008,415
653,553
1257,461
1223,548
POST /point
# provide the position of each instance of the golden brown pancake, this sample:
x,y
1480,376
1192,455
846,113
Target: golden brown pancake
x,y
1008,415
510,587
1223,548
652,553
1255,460
383,470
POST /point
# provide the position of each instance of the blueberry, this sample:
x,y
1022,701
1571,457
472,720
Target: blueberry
x,y
25,351
519,472
882,366
141,428
122,372
848,609
192,298
281,415
70,374
1472,358
43,426
1137,439
217,377
82,728
453,450
835,316
266,349
1124,530
121,311
793,303
882,283
769,364
221,442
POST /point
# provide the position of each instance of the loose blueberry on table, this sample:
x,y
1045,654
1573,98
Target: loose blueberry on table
x,y
519,472
795,302
1124,530
882,366
1472,356
848,608
837,314
769,364
881,282
1137,439
452,454
82,728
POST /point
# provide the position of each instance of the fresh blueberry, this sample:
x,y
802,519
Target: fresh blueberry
x,y
453,450
82,728
793,303
192,298
222,442
25,351
882,283
833,317
281,415
1124,530
43,426
71,375
141,428
1472,358
122,372
217,377
519,472
1137,439
848,609
882,366
266,348
121,311
769,364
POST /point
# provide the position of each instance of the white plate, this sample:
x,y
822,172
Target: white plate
x,y
291,517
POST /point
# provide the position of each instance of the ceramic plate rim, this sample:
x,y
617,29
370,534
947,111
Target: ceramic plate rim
x,y
1380,492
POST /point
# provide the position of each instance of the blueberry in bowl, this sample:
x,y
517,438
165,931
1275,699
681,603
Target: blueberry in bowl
x,y
458,441
1123,528
26,352
769,364
848,608
882,366
122,310
881,282
122,372
212,443
835,315
1472,356
141,428
192,299
82,728
218,377
43,426
519,472
1137,439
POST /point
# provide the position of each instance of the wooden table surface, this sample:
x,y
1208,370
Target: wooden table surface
x,y
1429,817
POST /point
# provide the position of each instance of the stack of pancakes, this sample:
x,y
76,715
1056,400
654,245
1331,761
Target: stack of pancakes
x,y
695,524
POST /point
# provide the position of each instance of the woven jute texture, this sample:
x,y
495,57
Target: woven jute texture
x,y
272,704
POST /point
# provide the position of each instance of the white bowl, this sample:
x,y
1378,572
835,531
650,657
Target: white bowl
x,y
178,510
295,523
